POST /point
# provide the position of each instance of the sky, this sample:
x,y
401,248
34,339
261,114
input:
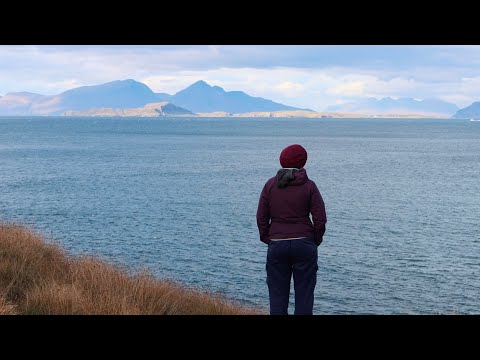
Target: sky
x,y
304,76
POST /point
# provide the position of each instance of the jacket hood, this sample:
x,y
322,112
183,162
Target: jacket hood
x,y
291,177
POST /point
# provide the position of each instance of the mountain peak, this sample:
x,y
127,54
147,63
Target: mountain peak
x,y
121,94
200,83
23,93
131,82
218,88
126,82
202,97
469,112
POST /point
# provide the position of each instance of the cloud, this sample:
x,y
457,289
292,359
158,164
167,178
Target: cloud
x,y
164,83
354,88
290,89
459,99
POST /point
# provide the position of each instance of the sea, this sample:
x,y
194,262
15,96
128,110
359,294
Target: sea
x,y
178,197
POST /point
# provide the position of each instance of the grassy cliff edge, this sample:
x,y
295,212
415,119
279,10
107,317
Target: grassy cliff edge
x,y
37,277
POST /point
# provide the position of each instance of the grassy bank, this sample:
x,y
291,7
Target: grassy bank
x,y
37,277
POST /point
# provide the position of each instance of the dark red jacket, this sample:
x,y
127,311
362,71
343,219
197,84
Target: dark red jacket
x,y
284,211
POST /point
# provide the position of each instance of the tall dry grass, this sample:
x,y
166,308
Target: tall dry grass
x,y
6,308
37,277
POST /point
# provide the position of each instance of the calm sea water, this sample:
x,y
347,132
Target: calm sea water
x,y
179,196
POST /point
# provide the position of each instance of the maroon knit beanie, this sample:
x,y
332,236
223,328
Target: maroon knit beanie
x,y
293,156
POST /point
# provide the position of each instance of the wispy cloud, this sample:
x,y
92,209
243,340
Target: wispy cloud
x,y
352,88
290,89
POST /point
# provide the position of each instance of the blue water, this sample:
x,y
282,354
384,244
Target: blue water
x,y
179,197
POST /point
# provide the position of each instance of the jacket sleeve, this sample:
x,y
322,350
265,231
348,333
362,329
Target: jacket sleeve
x,y
319,216
263,215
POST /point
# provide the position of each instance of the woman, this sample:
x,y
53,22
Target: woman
x,y
283,219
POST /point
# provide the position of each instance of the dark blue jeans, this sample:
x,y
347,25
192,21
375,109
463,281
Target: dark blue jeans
x,y
284,258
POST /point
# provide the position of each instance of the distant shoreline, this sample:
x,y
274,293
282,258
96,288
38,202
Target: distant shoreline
x,y
165,109
321,115
255,114
238,116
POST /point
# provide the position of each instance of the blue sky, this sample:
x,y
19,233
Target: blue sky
x,y
305,76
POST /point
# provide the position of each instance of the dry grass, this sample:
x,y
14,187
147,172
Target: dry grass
x,y
6,308
40,278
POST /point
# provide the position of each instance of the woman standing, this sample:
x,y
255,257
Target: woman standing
x,y
283,219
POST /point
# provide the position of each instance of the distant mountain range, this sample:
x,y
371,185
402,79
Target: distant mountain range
x,y
133,98
401,106
128,94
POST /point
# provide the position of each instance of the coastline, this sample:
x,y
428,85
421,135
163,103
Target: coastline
x,y
256,114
